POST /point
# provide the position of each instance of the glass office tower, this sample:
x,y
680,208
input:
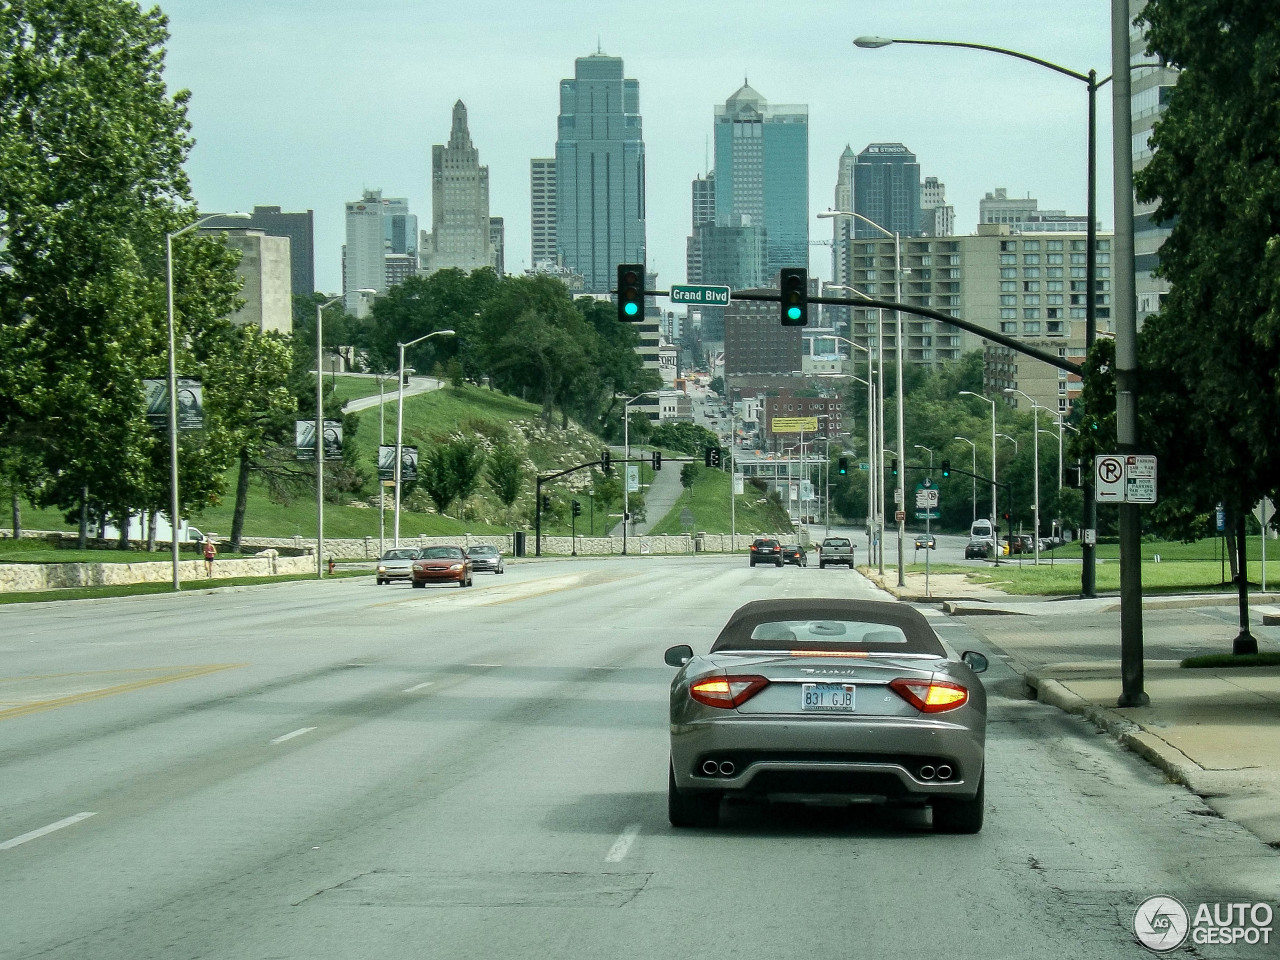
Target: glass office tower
x,y
600,207
762,175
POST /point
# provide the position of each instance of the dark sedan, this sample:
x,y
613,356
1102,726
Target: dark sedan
x,y
794,553
766,550
442,565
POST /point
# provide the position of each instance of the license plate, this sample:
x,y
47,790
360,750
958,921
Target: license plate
x,y
827,697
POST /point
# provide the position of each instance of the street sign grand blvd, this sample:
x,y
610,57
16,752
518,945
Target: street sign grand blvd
x,y
715,296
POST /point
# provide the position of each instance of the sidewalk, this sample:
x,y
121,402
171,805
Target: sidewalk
x,y
1217,731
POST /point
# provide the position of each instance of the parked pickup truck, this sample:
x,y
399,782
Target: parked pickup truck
x,y
836,550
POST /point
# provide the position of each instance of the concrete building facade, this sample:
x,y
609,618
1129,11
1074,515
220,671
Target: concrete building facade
x,y
542,211
298,227
460,236
266,277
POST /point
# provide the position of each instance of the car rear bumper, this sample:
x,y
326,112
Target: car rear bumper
x,y
890,757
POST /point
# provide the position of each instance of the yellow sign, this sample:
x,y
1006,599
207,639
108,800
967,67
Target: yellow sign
x,y
794,425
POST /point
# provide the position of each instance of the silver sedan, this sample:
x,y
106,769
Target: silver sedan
x,y
828,699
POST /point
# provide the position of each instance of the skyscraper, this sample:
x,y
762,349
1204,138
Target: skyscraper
x,y
600,205
704,212
886,190
762,175
364,253
542,211
298,227
460,228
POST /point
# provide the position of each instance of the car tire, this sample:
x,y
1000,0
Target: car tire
x,y
418,585
380,581
960,816
501,569
779,564
691,808
753,563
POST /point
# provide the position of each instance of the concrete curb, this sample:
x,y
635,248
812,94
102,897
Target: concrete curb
x,y
1176,765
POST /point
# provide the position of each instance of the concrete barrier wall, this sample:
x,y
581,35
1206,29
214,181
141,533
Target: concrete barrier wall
x,y
52,576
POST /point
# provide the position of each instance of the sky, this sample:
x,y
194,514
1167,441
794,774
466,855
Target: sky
x,y
305,105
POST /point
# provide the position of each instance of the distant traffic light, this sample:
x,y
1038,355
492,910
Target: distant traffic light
x,y
794,282
893,466
711,457
577,509
657,459
946,468
546,502
631,292
843,466
604,459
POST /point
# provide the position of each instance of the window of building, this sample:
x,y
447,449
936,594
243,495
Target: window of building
x,y
1008,313
1054,327
1008,300
1053,245
1053,271
1076,313
1053,299
1053,258
1007,258
1008,286
1053,285
1031,245
1031,272
1008,245
1033,327
1079,245
1031,286
1031,300
1031,259
1008,273
1007,327
1031,313
1077,258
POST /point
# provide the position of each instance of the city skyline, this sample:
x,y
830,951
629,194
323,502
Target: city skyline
x,y
976,121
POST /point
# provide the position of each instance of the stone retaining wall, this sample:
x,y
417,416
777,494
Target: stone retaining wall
x,y
52,576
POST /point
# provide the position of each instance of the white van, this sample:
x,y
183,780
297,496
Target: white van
x,y
981,530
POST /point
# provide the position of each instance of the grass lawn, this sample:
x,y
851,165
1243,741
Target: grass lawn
x,y
1064,579
348,388
37,551
709,504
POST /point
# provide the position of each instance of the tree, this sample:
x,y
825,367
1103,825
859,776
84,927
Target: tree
x,y
466,461
92,146
435,476
688,474
505,475
1211,392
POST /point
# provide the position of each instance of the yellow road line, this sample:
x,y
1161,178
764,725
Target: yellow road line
x,y
187,673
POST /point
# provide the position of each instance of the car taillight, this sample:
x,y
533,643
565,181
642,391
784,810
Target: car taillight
x,y
753,548
930,696
726,692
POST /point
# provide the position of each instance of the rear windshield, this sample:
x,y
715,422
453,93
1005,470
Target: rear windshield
x,y
818,626
480,551
400,555
835,542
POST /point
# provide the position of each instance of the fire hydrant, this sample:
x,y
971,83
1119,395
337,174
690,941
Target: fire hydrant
x,y
331,564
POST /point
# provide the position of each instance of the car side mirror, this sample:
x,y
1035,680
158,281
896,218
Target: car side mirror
x,y
976,661
678,655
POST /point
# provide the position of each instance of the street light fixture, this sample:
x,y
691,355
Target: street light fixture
x,y
899,491
626,458
921,446
173,379
1092,84
400,421
974,453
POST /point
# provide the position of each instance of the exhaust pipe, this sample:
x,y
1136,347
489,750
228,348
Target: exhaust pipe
x,y
727,768
710,768
927,772
944,772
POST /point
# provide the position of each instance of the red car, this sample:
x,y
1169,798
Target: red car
x,y
442,565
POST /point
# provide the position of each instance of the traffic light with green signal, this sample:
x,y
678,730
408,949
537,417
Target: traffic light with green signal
x,y
843,466
631,292
946,468
794,282
893,466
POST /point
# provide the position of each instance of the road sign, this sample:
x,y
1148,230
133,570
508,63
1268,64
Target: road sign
x,y
1140,479
926,496
1124,479
794,425
688,293
899,516
1108,475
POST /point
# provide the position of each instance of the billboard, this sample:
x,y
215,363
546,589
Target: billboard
x,y
190,403
305,439
387,463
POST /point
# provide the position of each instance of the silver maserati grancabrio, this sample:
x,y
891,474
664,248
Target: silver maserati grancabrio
x,y
828,699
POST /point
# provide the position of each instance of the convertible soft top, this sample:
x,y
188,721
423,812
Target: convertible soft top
x,y
820,625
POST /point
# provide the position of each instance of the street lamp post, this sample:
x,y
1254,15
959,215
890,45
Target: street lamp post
x,y
995,517
875,426
174,506
921,446
899,495
400,422
1122,152
974,452
1035,476
626,464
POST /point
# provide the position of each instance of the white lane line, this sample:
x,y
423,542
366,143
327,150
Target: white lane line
x,y
484,664
415,689
622,844
290,736
36,834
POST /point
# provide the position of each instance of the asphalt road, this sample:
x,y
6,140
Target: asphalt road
x,y
335,769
